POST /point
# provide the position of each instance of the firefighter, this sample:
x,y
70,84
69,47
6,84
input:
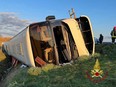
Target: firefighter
x,y
101,38
113,34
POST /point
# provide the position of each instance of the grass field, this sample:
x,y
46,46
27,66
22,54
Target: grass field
x,y
2,56
3,39
71,75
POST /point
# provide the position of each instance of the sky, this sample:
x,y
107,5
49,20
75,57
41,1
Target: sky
x,y
15,15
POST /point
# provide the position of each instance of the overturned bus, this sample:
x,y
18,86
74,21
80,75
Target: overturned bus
x,y
52,41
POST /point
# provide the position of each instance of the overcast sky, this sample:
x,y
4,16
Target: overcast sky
x,y
10,24
16,14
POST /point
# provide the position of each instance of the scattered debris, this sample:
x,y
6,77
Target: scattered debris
x,y
23,66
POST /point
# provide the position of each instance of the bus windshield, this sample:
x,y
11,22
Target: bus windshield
x,y
42,42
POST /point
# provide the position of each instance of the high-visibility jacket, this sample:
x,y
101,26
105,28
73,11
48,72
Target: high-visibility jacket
x,y
113,33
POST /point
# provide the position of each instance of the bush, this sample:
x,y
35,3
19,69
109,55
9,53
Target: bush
x,y
34,71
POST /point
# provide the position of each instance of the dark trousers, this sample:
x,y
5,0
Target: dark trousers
x,y
113,40
100,41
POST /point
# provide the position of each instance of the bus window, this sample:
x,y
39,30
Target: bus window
x,y
42,44
46,43
35,41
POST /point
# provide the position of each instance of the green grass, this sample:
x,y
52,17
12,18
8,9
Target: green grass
x,y
72,75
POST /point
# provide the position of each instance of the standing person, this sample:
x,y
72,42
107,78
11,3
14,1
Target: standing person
x,y
113,34
101,38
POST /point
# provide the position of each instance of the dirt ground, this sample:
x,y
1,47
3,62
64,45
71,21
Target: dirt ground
x,y
4,39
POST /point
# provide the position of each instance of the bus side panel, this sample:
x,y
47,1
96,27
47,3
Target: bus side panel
x,y
18,47
29,53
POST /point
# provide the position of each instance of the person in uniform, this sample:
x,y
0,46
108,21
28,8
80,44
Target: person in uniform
x,y
113,34
101,39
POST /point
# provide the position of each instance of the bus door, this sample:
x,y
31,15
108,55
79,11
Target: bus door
x,y
86,29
